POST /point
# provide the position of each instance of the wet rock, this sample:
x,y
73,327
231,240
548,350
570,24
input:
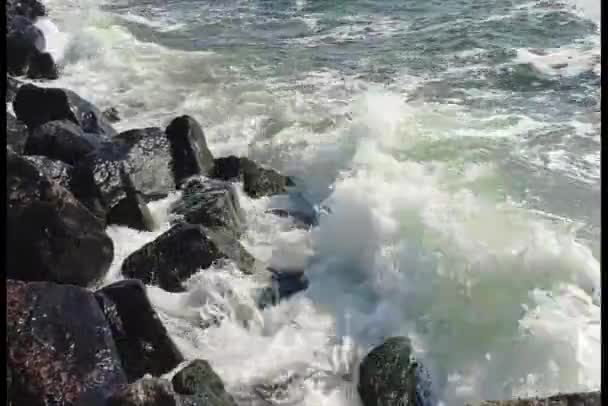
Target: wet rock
x,y
148,162
178,254
59,346
210,203
12,86
51,236
141,338
121,202
111,114
25,44
83,189
389,376
35,105
189,150
145,392
285,283
91,119
200,380
42,66
16,134
30,9
296,207
570,399
257,180
62,140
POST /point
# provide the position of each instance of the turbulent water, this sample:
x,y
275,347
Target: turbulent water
x,y
455,147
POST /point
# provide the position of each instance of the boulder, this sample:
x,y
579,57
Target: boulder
x,y
59,346
178,254
564,399
389,376
121,202
50,235
198,379
145,392
30,9
12,86
61,140
285,283
210,203
148,162
141,338
16,134
111,114
37,105
25,45
257,180
83,189
189,150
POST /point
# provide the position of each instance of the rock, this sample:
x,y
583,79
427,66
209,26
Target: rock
x,y
178,254
62,140
210,203
190,153
91,119
12,86
295,206
142,340
42,66
111,114
389,376
16,134
285,283
30,9
35,105
59,346
83,189
148,162
145,392
257,181
51,236
200,380
121,202
23,41
570,399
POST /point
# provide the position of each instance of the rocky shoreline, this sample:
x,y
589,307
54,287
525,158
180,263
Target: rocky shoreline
x,y
69,175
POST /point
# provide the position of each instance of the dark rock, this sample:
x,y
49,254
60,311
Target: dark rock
x,y
189,150
200,380
257,181
142,340
42,66
570,399
61,140
148,162
296,207
285,283
35,105
23,41
145,392
12,86
91,119
120,200
51,236
83,189
178,254
30,9
389,376
16,134
59,346
210,203
111,114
